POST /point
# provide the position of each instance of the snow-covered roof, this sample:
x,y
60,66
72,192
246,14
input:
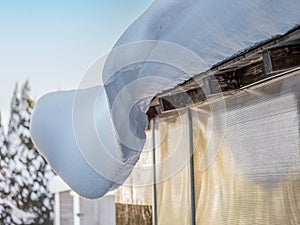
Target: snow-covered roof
x,y
96,151
248,58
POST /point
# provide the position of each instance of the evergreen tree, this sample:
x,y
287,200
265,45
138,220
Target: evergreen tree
x,y
4,190
28,173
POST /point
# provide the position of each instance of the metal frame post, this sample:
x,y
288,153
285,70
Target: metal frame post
x,y
154,173
192,175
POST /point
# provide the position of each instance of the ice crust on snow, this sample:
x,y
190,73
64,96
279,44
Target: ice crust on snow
x,y
95,161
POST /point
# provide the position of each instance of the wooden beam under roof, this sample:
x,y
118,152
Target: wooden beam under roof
x,y
241,70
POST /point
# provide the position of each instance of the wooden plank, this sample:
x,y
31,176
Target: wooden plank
x,y
285,57
267,61
133,214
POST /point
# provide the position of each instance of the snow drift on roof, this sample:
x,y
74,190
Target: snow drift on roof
x,y
211,30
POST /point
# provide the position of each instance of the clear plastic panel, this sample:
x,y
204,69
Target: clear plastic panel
x,y
255,178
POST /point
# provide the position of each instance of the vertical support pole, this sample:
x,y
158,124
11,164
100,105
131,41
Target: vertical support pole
x,y
192,175
154,173
56,209
76,207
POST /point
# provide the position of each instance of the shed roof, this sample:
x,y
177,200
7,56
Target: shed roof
x,y
261,62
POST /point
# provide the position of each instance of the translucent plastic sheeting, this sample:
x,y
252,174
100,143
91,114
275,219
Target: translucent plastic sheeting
x,y
173,174
172,171
255,178
138,188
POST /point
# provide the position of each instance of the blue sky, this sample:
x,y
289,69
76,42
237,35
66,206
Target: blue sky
x,y
53,42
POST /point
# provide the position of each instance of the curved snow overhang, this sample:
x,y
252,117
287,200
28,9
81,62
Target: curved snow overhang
x,y
93,137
